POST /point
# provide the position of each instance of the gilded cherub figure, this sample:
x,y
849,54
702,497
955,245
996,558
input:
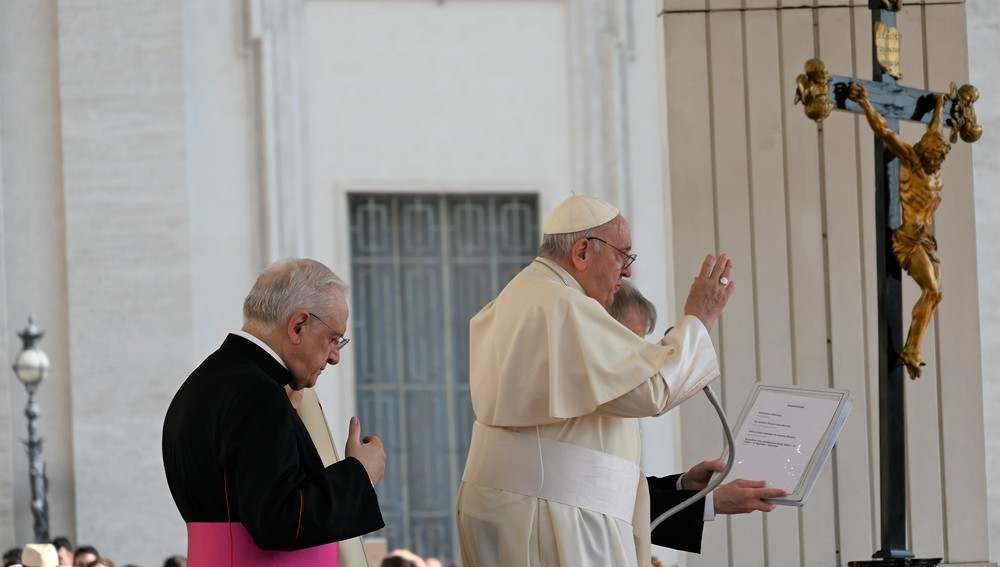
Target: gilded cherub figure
x,y
920,188
963,114
812,89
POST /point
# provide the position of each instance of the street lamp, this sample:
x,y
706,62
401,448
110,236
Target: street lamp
x,y
31,367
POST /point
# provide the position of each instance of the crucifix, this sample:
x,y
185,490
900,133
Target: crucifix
x,y
906,199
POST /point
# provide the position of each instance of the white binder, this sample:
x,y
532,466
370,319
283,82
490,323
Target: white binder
x,y
785,434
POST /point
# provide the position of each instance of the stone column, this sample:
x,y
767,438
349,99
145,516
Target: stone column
x,y
128,253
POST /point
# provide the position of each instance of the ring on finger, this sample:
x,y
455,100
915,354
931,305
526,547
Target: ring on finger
x,y
724,280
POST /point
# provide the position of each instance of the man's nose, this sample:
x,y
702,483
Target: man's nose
x,y
334,356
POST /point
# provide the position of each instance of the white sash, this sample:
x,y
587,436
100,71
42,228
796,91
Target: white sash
x,y
552,470
352,551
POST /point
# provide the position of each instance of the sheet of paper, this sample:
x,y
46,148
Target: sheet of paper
x,y
779,436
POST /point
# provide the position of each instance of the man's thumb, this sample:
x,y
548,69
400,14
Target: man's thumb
x,y
354,429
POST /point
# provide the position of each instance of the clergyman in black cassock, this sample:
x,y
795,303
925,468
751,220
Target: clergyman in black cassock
x,y
234,449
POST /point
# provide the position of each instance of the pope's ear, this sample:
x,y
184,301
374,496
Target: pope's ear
x,y
578,256
296,326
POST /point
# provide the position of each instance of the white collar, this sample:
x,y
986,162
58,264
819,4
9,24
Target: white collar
x,y
262,345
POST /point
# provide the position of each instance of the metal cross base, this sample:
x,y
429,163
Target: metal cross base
x,y
896,562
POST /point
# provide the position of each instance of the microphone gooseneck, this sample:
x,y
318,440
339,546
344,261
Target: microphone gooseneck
x,y
730,445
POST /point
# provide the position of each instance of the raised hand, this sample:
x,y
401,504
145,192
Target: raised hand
x,y
711,290
368,451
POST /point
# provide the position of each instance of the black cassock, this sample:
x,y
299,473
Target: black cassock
x,y
683,530
234,450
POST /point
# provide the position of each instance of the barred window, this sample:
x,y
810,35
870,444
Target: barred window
x,y
422,266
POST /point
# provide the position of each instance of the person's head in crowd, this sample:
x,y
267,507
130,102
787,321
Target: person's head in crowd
x,y
589,239
39,555
12,557
402,558
101,562
85,555
633,310
305,340
65,550
175,561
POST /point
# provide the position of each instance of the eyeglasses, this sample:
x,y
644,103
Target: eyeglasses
x,y
628,258
341,342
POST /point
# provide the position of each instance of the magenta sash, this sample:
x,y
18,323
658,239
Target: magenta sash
x,y
220,544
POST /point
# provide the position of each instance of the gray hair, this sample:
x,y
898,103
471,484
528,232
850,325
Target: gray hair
x,y
629,298
558,247
289,285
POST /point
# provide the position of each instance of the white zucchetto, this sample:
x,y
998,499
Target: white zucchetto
x,y
579,212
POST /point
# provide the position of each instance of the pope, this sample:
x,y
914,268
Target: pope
x,y
553,476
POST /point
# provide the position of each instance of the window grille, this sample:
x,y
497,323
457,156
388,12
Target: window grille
x,y
422,266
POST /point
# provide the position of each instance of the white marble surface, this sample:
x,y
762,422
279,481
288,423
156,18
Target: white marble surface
x,y
984,73
123,92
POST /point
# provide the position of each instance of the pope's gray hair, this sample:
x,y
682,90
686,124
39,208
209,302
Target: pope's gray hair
x,y
558,247
289,285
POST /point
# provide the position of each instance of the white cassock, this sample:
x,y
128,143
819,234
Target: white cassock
x,y
552,476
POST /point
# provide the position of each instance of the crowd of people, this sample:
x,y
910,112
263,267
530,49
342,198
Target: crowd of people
x,y
61,553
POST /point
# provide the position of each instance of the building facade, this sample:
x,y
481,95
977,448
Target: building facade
x,y
154,156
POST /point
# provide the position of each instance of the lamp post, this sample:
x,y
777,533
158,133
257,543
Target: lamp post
x,y
31,367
